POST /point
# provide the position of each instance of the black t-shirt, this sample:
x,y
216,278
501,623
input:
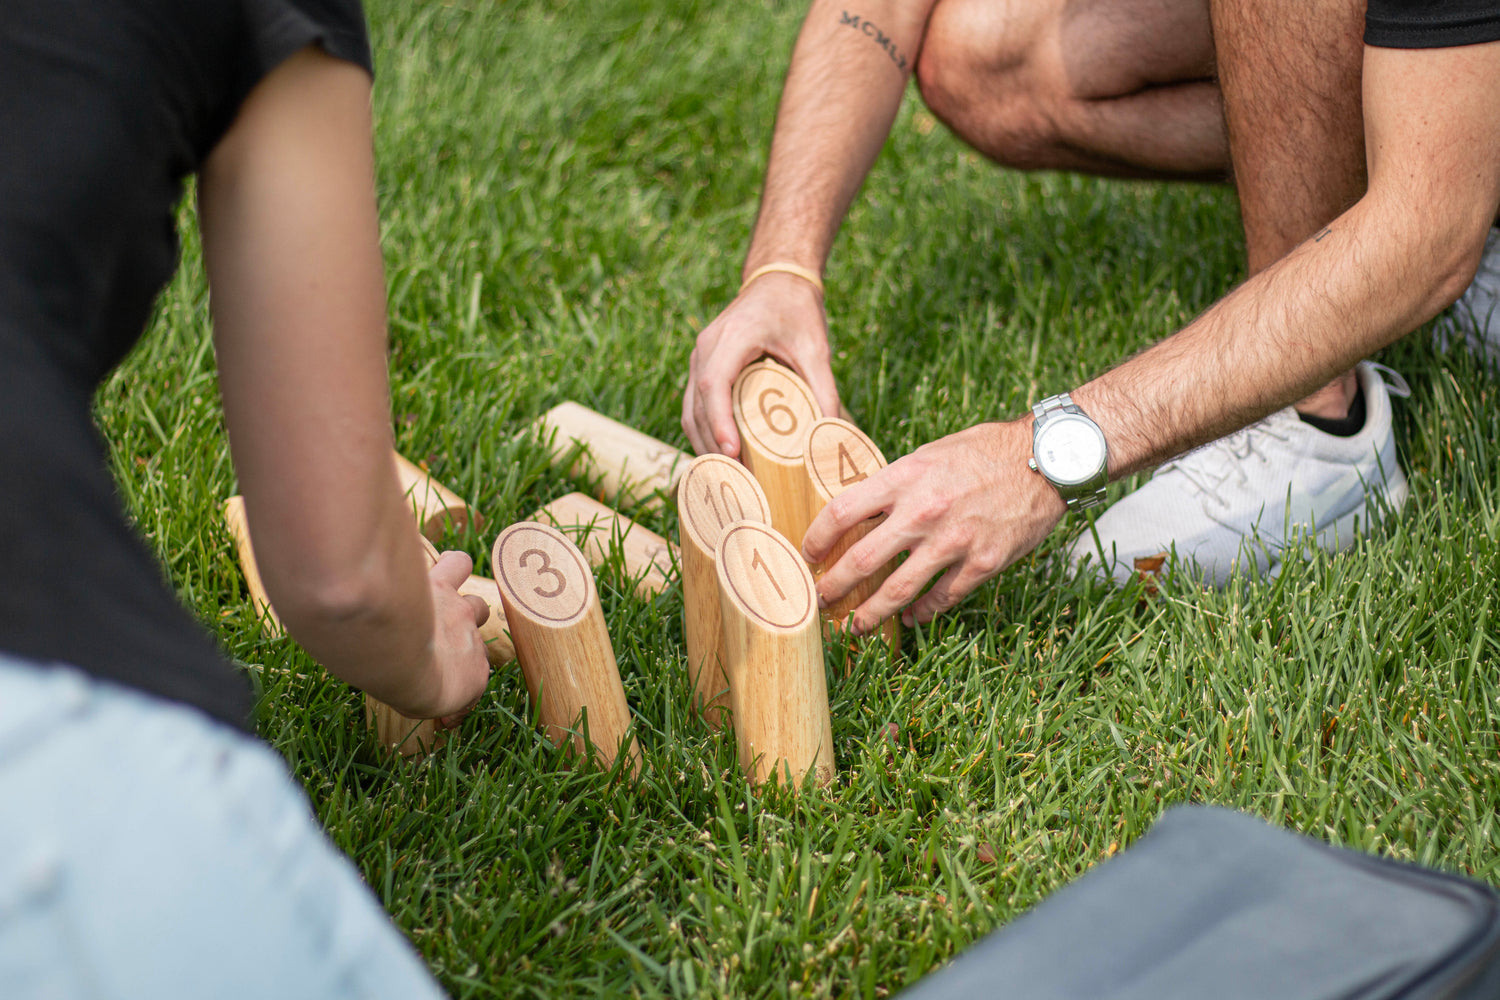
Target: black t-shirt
x,y
104,109
1431,24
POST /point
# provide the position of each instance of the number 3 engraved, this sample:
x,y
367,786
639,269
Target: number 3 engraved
x,y
757,561
767,411
545,567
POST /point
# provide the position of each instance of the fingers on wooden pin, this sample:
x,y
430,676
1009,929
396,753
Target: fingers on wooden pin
x,y
631,467
773,647
561,641
773,409
596,528
712,494
839,455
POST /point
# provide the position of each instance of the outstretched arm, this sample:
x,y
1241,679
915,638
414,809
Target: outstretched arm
x,y
967,505
291,242
844,86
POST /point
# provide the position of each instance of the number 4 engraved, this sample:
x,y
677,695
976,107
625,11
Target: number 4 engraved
x,y
755,561
849,470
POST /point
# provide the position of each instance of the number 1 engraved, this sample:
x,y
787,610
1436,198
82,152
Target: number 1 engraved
x,y
757,561
855,473
545,567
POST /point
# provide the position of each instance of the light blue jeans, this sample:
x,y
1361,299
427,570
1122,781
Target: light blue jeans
x,y
147,851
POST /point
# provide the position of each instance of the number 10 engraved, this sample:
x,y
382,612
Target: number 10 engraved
x,y
728,495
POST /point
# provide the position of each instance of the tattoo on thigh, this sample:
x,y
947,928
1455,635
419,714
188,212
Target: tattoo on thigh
x,y
1319,238
875,35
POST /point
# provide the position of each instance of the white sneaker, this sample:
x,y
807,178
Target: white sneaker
x,y
1476,314
1239,501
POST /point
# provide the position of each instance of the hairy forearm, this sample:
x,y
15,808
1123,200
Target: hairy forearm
x,y
1377,272
848,71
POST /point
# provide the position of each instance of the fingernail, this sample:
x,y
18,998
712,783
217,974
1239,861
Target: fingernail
x,y
908,619
724,448
822,602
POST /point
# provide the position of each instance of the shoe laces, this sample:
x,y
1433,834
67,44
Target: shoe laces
x,y
1209,467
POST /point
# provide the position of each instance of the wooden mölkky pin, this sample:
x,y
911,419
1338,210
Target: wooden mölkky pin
x,y
594,527
561,640
631,467
712,494
773,408
837,456
239,530
434,505
773,646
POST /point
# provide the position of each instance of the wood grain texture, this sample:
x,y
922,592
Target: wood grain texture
x,y
632,468
562,643
433,505
837,456
713,493
773,645
773,409
239,530
596,528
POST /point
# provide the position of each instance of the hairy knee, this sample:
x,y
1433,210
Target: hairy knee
x,y
983,72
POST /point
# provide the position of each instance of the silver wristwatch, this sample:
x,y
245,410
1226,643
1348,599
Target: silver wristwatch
x,y
1069,450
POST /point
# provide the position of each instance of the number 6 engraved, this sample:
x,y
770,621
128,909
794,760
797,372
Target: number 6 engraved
x,y
545,567
757,561
766,411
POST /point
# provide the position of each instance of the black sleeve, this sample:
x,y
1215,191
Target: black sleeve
x,y
1431,24
278,28
269,32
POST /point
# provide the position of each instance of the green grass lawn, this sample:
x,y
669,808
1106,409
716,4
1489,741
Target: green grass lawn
x,y
567,190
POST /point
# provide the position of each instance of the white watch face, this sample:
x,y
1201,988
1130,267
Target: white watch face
x,y
1070,450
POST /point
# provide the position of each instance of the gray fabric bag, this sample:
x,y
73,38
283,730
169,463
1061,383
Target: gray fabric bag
x,y
1215,905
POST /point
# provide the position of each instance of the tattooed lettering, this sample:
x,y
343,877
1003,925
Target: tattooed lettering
x,y
1319,238
875,35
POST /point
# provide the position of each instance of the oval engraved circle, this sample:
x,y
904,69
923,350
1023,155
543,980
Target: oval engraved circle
x,y
777,409
829,467
543,572
717,491
767,576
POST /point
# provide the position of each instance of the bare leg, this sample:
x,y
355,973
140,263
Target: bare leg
x,y
1290,72
1117,87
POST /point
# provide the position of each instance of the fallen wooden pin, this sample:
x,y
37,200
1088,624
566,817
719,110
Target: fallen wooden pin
x,y
631,468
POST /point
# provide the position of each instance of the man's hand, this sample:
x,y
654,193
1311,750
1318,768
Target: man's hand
x,y
780,315
966,504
